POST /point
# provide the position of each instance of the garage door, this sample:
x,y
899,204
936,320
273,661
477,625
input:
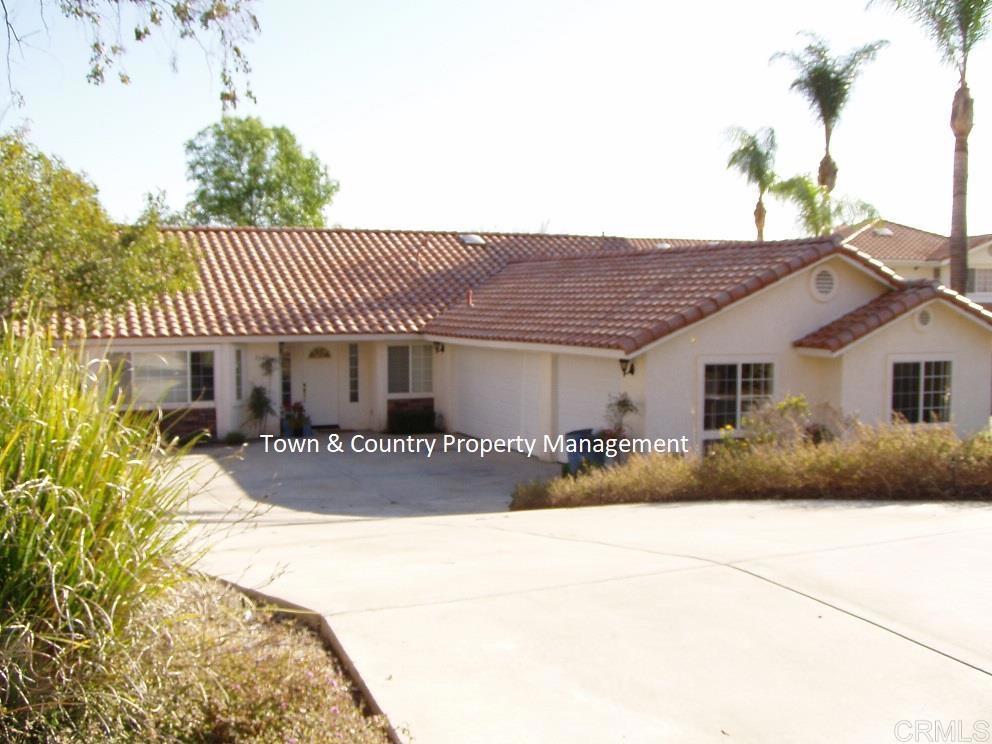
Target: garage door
x,y
496,392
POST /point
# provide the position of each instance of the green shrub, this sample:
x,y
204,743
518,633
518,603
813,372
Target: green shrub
x,y
235,438
893,462
87,531
412,422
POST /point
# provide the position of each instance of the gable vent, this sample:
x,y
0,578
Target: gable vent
x,y
472,239
924,318
824,283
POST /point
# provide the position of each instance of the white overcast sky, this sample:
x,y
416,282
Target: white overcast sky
x,y
584,116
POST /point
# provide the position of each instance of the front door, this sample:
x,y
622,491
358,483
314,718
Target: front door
x,y
319,383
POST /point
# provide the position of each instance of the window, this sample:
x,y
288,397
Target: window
x,y
119,363
731,390
285,369
921,392
238,373
979,280
410,369
353,373
163,377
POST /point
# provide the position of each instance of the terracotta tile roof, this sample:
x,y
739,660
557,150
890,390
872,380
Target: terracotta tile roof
x,y
884,309
904,244
626,301
285,282
974,241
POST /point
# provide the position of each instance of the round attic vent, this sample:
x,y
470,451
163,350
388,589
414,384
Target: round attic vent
x,y
824,284
924,319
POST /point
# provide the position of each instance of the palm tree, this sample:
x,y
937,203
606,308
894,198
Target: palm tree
x,y
818,213
754,158
825,82
956,26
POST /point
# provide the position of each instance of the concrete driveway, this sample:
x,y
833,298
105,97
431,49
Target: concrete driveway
x,y
747,622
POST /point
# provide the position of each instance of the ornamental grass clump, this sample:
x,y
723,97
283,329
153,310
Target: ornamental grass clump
x,y
88,499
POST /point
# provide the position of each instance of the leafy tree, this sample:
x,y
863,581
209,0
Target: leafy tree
x,y
249,174
220,26
818,213
59,250
825,82
753,157
956,26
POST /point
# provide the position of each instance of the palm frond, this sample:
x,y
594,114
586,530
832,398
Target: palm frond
x,y
825,80
819,214
956,26
753,155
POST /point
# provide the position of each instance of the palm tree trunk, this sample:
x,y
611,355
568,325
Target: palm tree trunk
x,y
759,218
962,120
827,174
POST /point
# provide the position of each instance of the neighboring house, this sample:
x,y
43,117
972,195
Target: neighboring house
x,y
505,335
917,254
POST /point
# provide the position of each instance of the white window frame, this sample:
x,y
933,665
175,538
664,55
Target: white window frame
x,y
892,359
980,281
355,373
738,360
239,374
410,394
130,350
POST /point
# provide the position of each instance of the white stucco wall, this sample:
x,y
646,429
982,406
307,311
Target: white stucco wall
x,y
494,392
253,374
867,366
757,329
585,386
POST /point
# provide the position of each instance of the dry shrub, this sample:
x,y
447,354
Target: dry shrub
x,y
217,668
892,462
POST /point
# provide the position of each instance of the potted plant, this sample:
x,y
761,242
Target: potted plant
x,y
619,407
259,407
296,419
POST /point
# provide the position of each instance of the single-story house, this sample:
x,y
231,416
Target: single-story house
x,y
505,335
918,254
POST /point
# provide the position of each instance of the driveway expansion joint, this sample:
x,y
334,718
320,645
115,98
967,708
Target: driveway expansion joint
x,y
735,566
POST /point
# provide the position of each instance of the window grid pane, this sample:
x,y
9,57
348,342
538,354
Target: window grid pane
x,y
353,373
756,386
720,399
906,392
201,375
398,365
238,373
119,363
421,369
980,280
160,377
286,372
936,392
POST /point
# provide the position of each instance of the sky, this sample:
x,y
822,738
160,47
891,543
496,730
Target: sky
x,y
568,116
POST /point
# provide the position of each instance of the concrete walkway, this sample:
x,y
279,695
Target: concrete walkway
x,y
747,622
